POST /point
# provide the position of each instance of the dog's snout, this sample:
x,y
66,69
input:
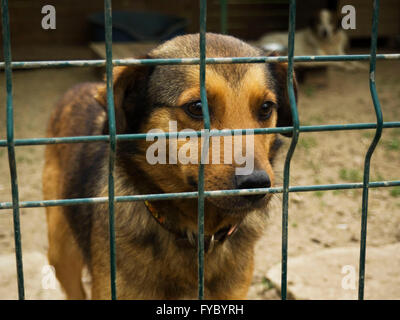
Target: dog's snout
x,y
257,179
324,34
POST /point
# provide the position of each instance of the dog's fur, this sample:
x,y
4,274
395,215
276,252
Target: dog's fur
x,y
323,36
150,263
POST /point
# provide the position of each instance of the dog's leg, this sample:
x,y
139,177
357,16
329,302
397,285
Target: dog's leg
x,y
101,287
100,264
241,288
64,254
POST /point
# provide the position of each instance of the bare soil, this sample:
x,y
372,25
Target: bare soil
x,y
317,220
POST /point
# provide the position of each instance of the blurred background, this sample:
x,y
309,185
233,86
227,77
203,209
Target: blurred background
x,y
324,227
78,25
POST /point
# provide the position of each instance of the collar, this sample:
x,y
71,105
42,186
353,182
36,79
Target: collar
x,y
190,240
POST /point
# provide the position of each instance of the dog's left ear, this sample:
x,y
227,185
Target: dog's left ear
x,y
130,89
279,72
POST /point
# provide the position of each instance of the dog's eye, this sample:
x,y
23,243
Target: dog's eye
x,y
194,109
266,110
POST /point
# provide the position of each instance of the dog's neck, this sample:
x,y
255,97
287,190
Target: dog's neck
x,y
179,217
189,239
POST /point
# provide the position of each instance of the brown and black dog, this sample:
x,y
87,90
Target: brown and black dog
x,y
156,246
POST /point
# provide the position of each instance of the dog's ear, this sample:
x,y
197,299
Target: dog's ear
x,y
279,72
130,91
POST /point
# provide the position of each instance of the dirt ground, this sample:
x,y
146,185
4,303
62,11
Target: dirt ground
x,y
317,220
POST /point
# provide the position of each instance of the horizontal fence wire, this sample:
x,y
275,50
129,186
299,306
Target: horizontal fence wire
x,y
10,142
211,133
194,194
190,61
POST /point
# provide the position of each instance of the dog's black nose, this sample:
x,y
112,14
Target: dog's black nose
x,y
324,34
257,179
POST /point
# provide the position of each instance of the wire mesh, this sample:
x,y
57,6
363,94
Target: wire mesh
x,y
10,143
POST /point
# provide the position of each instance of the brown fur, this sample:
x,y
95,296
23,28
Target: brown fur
x,y
150,263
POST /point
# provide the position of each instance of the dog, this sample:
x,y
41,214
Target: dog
x,y
156,241
323,36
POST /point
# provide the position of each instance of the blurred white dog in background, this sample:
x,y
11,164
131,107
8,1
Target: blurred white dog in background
x,y
322,37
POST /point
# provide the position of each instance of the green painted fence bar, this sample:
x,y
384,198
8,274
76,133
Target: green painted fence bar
x,y
206,118
224,16
212,133
191,195
10,142
113,142
378,133
189,61
295,136
10,147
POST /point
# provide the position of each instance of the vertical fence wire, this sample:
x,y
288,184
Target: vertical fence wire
x,y
224,16
11,147
371,149
286,170
204,152
112,133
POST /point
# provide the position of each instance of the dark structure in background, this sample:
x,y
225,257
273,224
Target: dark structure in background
x,y
247,19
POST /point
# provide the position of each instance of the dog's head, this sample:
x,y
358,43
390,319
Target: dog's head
x,y
167,98
325,24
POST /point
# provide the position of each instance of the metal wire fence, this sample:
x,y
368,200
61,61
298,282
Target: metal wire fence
x,y
112,138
